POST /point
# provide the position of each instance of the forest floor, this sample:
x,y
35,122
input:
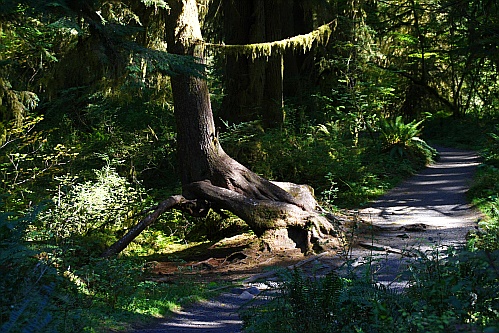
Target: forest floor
x,y
427,211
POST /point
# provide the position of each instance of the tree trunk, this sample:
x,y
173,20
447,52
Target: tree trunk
x,y
123,242
254,87
207,172
273,103
243,78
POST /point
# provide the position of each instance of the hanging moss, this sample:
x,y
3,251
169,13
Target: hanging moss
x,y
297,43
13,108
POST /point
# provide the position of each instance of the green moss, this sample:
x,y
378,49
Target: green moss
x,y
301,42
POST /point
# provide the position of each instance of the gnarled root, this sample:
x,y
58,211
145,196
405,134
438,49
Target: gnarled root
x,y
280,225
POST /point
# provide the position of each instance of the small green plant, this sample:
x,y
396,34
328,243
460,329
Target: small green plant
x,y
395,132
303,304
455,289
402,139
485,195
487,236
115,281
491,151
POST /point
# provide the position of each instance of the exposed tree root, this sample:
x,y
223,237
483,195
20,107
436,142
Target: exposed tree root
x,y
280,225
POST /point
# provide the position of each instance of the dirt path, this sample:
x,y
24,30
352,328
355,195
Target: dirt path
x,y
435,199
428,210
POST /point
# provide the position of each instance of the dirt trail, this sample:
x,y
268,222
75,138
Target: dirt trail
x,y
435,199
428,210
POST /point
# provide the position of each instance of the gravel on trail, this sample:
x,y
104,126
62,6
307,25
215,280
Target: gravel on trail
x,y
428,210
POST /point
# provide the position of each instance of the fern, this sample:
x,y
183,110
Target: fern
x,y
402,140
304,304
397,133
38,301
26,299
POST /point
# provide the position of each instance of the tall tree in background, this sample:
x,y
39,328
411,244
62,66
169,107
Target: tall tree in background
x,y
255,88
440,49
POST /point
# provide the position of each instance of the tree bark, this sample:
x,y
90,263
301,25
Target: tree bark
x,y
243,78
273,103
254,87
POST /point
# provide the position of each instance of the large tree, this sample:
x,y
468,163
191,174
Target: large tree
x,y
210,178
256,88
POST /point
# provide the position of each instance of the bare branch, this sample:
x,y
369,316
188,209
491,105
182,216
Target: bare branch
x,y
121,244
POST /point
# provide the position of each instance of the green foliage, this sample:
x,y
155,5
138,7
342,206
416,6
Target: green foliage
x,y
312,300
155,3
27,279
485,194
469,132
302,43
319,155
112,280
50,288
134,129
401,139
113,293
107,203
456,288
491,151
394,132
452,292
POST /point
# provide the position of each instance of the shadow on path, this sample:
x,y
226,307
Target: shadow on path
x,y
440,189
436,197
427,211
214,316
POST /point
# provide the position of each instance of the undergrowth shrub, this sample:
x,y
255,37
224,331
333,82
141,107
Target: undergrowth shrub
x,y
94,209
325,304
58,286
115,281
134,126
319,156
484,193
402,140
28,279
491,150
469,131
455,291
459,288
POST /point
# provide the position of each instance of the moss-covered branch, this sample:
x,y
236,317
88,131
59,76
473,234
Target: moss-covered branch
x,y
300,42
